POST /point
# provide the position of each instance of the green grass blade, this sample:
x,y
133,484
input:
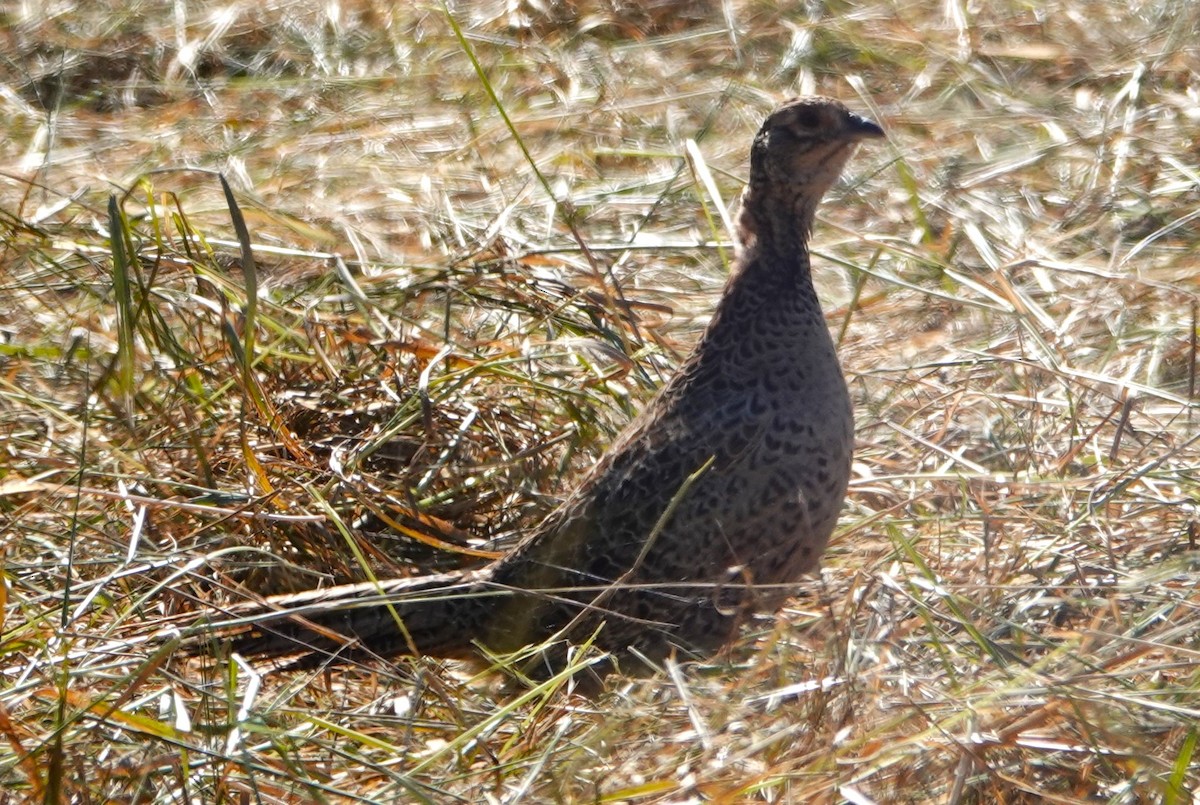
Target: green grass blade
x,y
122,290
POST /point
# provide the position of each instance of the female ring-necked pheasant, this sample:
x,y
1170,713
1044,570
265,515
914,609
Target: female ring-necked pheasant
x,y
724,490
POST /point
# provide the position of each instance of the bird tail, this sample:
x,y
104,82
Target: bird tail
x,y
396,617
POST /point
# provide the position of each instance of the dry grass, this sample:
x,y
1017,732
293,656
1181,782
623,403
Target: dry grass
x,y
453,316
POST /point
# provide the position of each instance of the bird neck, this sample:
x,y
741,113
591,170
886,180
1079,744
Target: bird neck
x,y
776,261
773,274
786,262
773,229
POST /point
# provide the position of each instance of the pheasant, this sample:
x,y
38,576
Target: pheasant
x,y
720,494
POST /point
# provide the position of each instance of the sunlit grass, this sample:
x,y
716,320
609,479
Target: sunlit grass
x,y
456,311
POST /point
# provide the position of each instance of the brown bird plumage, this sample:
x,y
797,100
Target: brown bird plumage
x,y
724,490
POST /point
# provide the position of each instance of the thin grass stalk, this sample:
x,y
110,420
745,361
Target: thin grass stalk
x,y
119,240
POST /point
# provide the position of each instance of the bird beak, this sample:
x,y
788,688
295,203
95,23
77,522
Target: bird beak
x,y
862,129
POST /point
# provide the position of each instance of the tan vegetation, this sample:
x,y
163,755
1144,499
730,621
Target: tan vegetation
x,y
466,281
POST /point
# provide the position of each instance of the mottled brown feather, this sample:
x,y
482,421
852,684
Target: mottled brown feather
x,y
749,445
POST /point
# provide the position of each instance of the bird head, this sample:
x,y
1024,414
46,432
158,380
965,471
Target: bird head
x,y
796,157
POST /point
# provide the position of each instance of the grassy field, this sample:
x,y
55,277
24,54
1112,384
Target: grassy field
x,y
477,238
